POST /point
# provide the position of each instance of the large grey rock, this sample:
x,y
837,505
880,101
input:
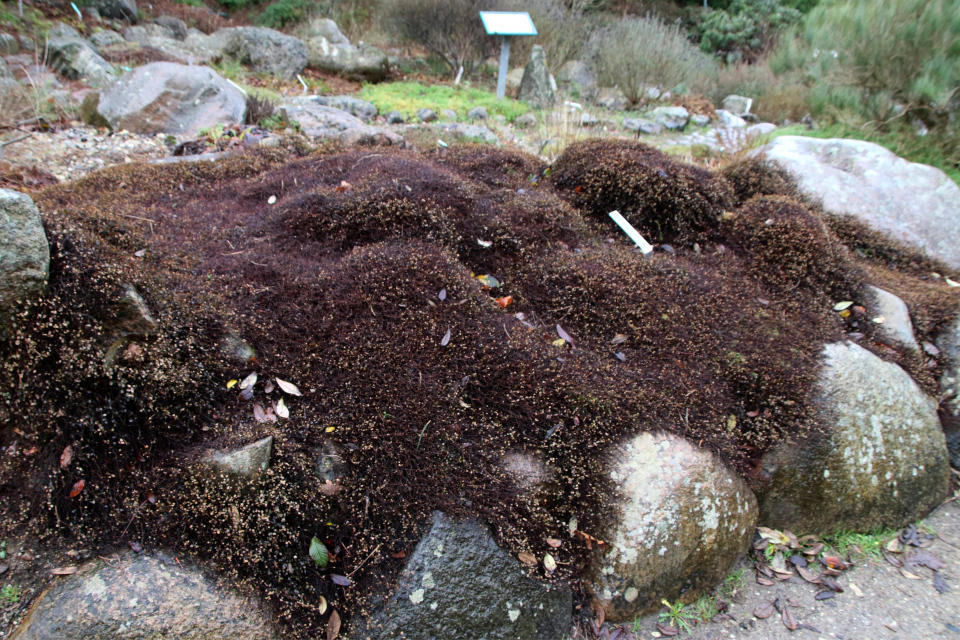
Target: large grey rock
x,y
896,326
448,115
24,252
106,38
364,110
536,87
729,119
265,50
319,121
641,125
77,59
176,26
165,97
737,105
5,70
427,115
913,203
459,584
325,28
684,519
9,46
611,98
118,9
879,460
700,120
246,461
196,48
139,596
394,117
478,113
672,118
577,74
363,62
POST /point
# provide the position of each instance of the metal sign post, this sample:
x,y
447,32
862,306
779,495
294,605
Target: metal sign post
x,y
506,24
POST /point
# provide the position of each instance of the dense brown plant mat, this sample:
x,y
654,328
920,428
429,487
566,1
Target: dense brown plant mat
x,y
337,285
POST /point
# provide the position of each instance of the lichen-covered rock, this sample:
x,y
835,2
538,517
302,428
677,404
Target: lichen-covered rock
x,y
672,118
165,97
892,317
577,74
364,110
459,584
737,105
106,38
319,121
77,59
195,48
246,461
9,45
24,252
265,50
139,596
363,62
879,461
914,203
537,87
684,519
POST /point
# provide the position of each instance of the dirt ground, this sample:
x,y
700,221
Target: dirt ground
x,y
891,605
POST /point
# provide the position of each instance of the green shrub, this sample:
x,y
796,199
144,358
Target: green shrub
x,y
284,13
450,29
746,29
641,53
885,70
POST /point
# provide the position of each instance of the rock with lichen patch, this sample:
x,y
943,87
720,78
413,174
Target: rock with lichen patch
x,y
893,319
24,252
880,460
684,518
460,584
141,596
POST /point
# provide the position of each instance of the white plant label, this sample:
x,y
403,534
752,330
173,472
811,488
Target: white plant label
x,y
645,246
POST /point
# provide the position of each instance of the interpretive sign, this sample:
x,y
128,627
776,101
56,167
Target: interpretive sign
x,y
506,24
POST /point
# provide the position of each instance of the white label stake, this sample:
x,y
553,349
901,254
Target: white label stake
x,y
645,246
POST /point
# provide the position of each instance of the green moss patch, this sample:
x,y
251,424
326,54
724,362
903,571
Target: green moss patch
x,y
410,97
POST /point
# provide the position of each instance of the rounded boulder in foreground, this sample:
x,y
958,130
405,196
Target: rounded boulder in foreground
x,y
684,519
879,461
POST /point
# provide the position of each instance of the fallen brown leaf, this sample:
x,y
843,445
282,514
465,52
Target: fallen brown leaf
x,y
333,625
66,456
64,571
788,620
763,610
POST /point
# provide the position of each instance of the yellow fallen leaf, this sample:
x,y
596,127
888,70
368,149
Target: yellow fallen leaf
x,y
559,342
231,384
549,563
330,429
845,313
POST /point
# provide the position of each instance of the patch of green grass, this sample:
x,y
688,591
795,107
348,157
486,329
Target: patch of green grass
x,y
733,583
869,545
191,3
10,594
33,21
906,145
678,615
410,97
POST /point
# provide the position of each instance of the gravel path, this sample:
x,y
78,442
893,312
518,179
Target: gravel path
x,y
891,605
